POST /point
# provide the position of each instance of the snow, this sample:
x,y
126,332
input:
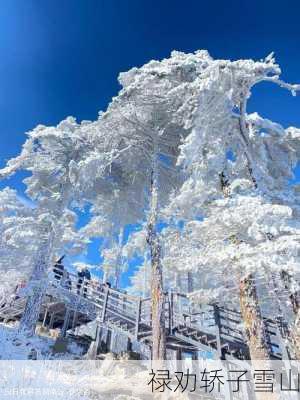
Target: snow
x,y
159,155
15,346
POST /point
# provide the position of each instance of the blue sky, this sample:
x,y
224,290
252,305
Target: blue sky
x,y
62,57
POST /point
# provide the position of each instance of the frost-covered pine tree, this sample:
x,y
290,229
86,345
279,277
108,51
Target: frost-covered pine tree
x,y
149,117
17,240
232,246
174,144
197,105
226,147
52,157
22,228
222,130
109,219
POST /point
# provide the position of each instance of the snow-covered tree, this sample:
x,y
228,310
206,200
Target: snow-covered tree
x,y
149,117
109,211
228,148
17,241
51,155
141,281
175,144
197,105
22,238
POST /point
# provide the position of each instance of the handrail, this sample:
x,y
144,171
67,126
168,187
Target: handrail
x,y
137,311
93,286
134,314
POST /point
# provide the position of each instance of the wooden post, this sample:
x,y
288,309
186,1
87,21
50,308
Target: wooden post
x,y
218,329
178,354
109,340
129,345
98,337
74,320
138,316
171,311
66,323
178,359
52,320
105,304
45,318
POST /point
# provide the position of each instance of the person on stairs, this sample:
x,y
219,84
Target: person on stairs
x,y
58,269
83,275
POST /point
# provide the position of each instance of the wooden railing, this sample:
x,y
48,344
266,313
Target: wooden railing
x,y
114,306
133,314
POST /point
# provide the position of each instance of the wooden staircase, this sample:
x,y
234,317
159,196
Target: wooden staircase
x,y
211,328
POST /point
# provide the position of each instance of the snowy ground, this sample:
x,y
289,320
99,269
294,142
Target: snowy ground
x,y
67,377
16,347
74,379
62,376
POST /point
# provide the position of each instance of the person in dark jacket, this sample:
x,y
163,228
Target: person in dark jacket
x,y
83,276
87,274
58,269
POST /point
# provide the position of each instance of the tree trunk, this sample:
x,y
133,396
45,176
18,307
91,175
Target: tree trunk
x,y
36,287
294,296
296,336
157,299
157,295
253,322
255,331
251,316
